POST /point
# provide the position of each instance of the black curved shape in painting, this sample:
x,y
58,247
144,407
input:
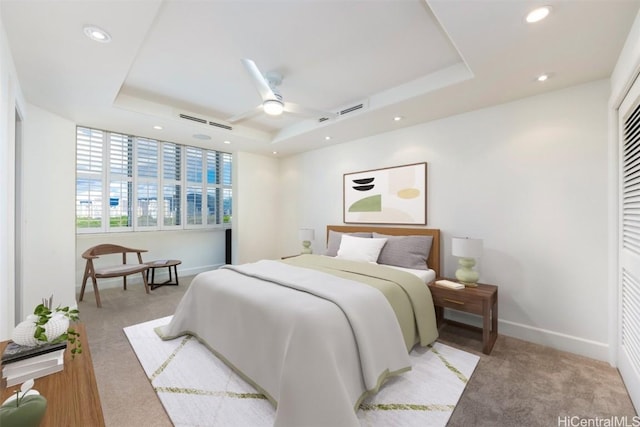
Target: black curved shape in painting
x,y
363,187
363,181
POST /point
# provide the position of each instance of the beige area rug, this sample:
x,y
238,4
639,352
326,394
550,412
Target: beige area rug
x,y
197,389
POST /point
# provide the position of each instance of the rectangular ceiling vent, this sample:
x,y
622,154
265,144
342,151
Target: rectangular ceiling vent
x,y
220,125
193,119
204,121
351,109
348,110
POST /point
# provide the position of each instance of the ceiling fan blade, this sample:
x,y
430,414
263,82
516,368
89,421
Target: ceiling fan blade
x,y
261,83
246,114
292,108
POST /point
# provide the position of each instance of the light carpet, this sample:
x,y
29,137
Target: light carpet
x,y
197,389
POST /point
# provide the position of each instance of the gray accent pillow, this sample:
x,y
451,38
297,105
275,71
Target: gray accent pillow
x,y
335,237
405,251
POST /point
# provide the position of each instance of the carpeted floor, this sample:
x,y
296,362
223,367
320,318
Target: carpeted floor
x,y
519,384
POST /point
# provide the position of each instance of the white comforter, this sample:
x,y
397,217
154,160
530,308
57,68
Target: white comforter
x,y
313,357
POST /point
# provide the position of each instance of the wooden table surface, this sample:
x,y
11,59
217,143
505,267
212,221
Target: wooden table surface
x,y
72,394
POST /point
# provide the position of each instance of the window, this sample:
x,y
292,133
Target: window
x,y
151,185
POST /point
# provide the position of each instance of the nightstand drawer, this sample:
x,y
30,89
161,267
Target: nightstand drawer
x,y
457,302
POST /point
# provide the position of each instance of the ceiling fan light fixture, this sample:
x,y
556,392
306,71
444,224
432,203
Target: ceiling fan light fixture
x,y
273,107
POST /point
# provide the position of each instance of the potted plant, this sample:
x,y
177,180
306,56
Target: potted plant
x,y
47,325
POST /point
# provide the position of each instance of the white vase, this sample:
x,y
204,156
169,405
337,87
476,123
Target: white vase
x,y
24,331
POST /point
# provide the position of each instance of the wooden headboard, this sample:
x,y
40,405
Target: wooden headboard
x,y
433,261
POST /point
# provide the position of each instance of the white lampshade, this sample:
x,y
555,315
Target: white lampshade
x,y
466,248
307,234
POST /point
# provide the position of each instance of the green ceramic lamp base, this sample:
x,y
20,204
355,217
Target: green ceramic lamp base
x,y
465,273
306,247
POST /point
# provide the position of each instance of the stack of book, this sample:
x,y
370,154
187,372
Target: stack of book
x,y
21,363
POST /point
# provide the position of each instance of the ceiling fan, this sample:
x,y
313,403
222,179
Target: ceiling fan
x,y
272,102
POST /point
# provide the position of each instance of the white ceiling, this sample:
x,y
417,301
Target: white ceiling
x,y
420,60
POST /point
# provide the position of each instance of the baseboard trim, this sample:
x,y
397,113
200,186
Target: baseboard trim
x,y
557,340
136,279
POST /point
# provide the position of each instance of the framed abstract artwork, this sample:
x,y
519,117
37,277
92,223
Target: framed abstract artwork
x,y
395,195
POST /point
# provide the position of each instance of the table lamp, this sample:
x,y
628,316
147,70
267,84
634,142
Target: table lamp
x,y
306,235
467,250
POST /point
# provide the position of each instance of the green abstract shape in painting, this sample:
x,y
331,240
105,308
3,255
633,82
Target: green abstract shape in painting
x,y
368,204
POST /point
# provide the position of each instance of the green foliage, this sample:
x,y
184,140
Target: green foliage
x,y
86,222
44,314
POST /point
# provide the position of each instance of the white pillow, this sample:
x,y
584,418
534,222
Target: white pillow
x,y
360,248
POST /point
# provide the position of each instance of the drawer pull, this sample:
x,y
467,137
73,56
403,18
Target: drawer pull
x,y
454,301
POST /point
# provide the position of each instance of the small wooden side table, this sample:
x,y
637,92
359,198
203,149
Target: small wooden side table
x,y
172,263
481,300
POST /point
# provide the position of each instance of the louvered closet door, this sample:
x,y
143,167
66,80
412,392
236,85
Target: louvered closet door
x,y
629,274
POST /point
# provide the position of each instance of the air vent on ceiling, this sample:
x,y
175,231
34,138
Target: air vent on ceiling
x,y
351,109
193,119
204,121
220,125
356,107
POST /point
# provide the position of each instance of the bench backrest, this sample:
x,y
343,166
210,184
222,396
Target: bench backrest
x,y
107,248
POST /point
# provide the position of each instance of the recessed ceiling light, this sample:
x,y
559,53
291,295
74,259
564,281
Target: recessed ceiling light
x,y
542,77
538,14
158,127
202,136
275,152
226,142
327,137
397,118
97,34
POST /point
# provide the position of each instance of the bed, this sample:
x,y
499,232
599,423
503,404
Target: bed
x,y
316,334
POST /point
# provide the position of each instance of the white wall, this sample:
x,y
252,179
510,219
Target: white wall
x,y
199,250
10,99
255,207
528,177
6,188
48,220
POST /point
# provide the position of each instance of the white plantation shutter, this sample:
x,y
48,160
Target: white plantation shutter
x,y
213,188
120,182
90,147
147,160
629,342
227,191
144,184
171,184
195,181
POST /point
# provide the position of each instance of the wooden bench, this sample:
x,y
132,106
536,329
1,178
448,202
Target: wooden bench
x,y
119,270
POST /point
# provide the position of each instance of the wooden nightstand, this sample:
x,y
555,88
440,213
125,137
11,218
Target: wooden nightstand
x,y
482,300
